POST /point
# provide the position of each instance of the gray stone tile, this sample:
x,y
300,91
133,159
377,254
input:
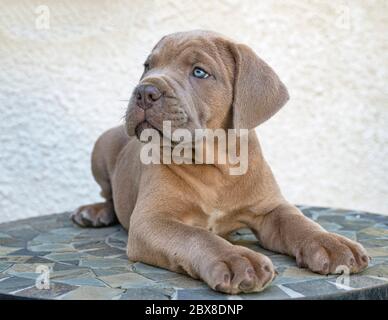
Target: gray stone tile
x,y
140,267
150,293
112,271
6,250
94,282
92,293
282,260
106,252
89,245
26,252
55,290
72,274
127,280
12,283
182,282
352,235
359,282
379,270
4,235
66,256
368,243
12,243
50,247
14,259
98,262
23,232
313,288
372,233
199,294
163,276
4,266
273,292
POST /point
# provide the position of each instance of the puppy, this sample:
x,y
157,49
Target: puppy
x,y
179,216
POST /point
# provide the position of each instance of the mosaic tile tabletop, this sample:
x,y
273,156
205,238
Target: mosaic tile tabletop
x,y
51,258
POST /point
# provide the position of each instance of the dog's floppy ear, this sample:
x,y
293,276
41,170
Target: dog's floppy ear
x,y
258,91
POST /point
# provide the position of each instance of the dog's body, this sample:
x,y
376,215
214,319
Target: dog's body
x,y
179,215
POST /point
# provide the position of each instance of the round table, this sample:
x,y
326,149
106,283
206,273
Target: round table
x,y
51,258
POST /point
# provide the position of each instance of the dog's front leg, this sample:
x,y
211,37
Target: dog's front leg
x,y
159,239
285,229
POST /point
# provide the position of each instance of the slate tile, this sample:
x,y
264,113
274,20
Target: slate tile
x,y
151,293
13,283
4,266
94,282
51,247
89,245
111,271
378,252
92,293
352,235
282,260
71,274
272,292
380,270
367,243
26,252
98,262
6,250
314,288
27,267
146,269
372,233
4,235
106,252
359,281
66,256
13,243
200,294
127,280
182,282
55,290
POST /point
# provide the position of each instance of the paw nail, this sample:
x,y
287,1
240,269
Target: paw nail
x,y
267,268
246,285
250,272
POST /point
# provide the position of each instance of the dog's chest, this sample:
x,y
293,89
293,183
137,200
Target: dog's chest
x,y
221,222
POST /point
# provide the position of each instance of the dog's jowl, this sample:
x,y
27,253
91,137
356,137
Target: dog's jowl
x,y
179,214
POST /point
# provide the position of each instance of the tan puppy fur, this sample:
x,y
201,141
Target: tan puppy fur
x,y
179,216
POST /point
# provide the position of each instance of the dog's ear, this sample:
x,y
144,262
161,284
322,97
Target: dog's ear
x,y
258,91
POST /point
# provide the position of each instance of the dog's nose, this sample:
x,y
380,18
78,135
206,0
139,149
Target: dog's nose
x,y
147,95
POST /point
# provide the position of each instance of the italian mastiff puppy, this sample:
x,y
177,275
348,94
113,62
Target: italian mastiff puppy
x,y
179,216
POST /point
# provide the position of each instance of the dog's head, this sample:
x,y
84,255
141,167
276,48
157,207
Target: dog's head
x,y
199,80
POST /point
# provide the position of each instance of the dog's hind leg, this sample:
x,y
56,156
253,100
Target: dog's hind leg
x,y
104,155
99,214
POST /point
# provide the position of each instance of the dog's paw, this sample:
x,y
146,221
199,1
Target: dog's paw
x,y
329,253
94,215
239,270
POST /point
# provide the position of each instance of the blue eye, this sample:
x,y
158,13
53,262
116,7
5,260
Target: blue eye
x,y
200,73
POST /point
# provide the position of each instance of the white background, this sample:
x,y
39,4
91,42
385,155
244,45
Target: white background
x,y
61,87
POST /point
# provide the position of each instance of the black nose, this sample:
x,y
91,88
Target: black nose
x,y
147,95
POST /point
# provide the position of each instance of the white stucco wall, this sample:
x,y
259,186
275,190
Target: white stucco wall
x,y
61,87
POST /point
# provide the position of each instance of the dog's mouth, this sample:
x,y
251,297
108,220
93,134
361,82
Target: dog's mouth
x,y
145,125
